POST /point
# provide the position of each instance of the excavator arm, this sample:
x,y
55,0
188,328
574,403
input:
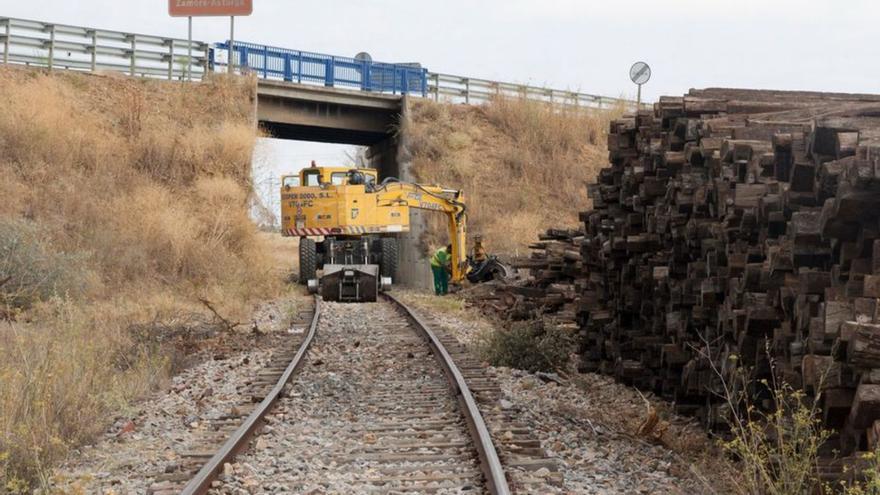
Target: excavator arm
x,y
433,198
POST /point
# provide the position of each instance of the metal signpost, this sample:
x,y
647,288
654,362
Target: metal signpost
x,y
202,8
639,73
189,49
230,66
6,42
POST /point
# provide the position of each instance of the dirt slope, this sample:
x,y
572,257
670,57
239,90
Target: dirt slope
x,y
522,164
124,203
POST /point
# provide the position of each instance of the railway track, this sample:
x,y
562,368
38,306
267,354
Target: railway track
x,y
372,401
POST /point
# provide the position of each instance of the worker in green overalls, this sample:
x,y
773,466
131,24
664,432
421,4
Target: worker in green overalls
x,y
440,265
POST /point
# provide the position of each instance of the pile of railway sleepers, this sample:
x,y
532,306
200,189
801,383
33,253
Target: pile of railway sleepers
x,y
732,226
740,224
550,290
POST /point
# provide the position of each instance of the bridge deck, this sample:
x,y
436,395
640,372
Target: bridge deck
x,y
316,113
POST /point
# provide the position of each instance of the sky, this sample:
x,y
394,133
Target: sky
x,y
566,44
585,45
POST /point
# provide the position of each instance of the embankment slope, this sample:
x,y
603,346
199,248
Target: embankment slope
x,y
522,164
125,202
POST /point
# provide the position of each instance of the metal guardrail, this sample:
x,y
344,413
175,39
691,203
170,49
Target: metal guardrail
x,y
271,62
59,46
471,90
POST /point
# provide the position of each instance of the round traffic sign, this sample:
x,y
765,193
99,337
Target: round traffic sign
x,y
640,72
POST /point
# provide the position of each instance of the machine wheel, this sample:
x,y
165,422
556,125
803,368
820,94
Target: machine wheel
x,y
388,266
308,260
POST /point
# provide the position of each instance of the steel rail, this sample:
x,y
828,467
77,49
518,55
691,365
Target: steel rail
x,y
201,483
490,464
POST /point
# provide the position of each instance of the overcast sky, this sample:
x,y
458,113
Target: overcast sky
x,y
566,44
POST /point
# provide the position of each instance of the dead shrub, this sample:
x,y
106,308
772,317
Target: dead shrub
x,y
29,270
223,149
527,345
59,382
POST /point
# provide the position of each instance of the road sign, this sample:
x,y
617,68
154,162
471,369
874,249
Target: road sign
x,y
640,72
199,8
220,8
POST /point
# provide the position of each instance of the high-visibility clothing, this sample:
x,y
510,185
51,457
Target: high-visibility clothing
x,y
440,258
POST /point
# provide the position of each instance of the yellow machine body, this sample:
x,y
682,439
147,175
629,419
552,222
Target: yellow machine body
x,y
336,201
321,202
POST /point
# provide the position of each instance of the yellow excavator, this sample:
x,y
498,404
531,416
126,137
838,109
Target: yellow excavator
x,y
358,220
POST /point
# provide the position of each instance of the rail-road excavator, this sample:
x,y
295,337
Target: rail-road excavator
x,y
348,225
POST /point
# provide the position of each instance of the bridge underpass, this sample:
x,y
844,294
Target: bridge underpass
x,y
330,115
298,92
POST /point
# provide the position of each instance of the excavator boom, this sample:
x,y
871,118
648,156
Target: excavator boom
x,y
447,201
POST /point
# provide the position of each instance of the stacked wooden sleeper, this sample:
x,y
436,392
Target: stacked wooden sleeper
x,y
740,223
550,290
733,224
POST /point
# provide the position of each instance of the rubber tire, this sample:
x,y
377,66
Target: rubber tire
x,y
308,260
500,271
388,266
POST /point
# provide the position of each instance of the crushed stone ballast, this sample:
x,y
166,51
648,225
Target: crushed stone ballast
x,y
360,408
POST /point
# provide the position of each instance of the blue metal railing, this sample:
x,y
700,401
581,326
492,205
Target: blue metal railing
x,y
304,67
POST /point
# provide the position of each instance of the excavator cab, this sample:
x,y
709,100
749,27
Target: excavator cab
x,y
315,176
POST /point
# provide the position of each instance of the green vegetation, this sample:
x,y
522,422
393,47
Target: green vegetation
x,y
527,345
778,448
31,270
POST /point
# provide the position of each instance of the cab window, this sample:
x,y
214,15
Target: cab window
x,y
291,181
312,179
338,178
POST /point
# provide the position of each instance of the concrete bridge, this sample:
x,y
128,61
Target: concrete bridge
x,y
330,115
301,95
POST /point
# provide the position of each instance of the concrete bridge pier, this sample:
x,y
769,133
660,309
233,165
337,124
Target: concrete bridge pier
x,y
414,268
383,156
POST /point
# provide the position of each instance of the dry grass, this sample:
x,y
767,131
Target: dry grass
x,y
145,185
284,252
523,165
